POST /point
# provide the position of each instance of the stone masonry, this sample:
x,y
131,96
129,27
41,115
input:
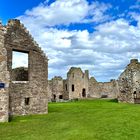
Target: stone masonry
x,y
4,79
21,97
55,87
78,85
103,89
129,83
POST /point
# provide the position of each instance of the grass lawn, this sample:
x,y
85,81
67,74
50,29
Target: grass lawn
x,y
81,120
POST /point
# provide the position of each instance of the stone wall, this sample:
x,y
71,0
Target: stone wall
x,y
50,91
109,89
19,74
66,92
34,90
4,79
22,97
56,91
77,83
129,83
103,89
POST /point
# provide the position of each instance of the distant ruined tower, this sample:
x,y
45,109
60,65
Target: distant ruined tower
x,y
77,83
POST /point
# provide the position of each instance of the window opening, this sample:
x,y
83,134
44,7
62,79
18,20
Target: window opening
x,y
19,66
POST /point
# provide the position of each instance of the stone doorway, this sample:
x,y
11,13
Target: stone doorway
x,y
84,92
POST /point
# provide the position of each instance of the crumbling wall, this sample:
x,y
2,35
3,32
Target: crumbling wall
x,y
65,88
103,89
94,88
56,89
4,79
129,83
77,83
50,91
26,97
108,89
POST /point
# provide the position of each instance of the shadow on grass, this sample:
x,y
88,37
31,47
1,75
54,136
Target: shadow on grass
x,y
113,100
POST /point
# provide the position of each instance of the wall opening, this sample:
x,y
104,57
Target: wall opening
x,y
20,70
84,92
135,94
27,101
104,96
66,87
72,88
60,96
54,96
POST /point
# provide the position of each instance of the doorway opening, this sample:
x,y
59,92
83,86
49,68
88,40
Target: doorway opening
x,y
84,92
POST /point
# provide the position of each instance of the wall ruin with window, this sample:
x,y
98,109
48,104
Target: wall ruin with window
x,y
77,80
26,96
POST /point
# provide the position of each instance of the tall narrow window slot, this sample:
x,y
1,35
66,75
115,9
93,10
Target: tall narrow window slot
x,y
66,87
72,87
19,66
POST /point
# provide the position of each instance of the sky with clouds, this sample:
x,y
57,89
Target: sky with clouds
x,y
99,35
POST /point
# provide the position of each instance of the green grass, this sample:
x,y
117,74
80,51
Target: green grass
x,y
82,120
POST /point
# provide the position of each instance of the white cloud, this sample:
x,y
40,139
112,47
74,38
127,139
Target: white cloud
x,y
105,52
66,12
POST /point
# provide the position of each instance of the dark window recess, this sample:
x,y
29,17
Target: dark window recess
x,y
135,94
60,96
104,96
72,87
27,101
2,85
66,87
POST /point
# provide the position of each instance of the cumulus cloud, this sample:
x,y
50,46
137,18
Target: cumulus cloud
x,y
66,12
105,51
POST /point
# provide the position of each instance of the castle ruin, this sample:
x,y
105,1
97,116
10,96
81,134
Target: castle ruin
x,y
27,90
78,85
26,95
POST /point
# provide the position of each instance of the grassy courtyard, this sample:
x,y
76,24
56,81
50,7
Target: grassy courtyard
x,y
81,120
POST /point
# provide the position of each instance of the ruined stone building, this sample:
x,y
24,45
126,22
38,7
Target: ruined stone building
x,y
103,89
129,83
78,85
26,94
55,89
75,86
26,90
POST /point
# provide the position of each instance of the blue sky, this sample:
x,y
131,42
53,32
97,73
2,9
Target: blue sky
x,y
101,35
